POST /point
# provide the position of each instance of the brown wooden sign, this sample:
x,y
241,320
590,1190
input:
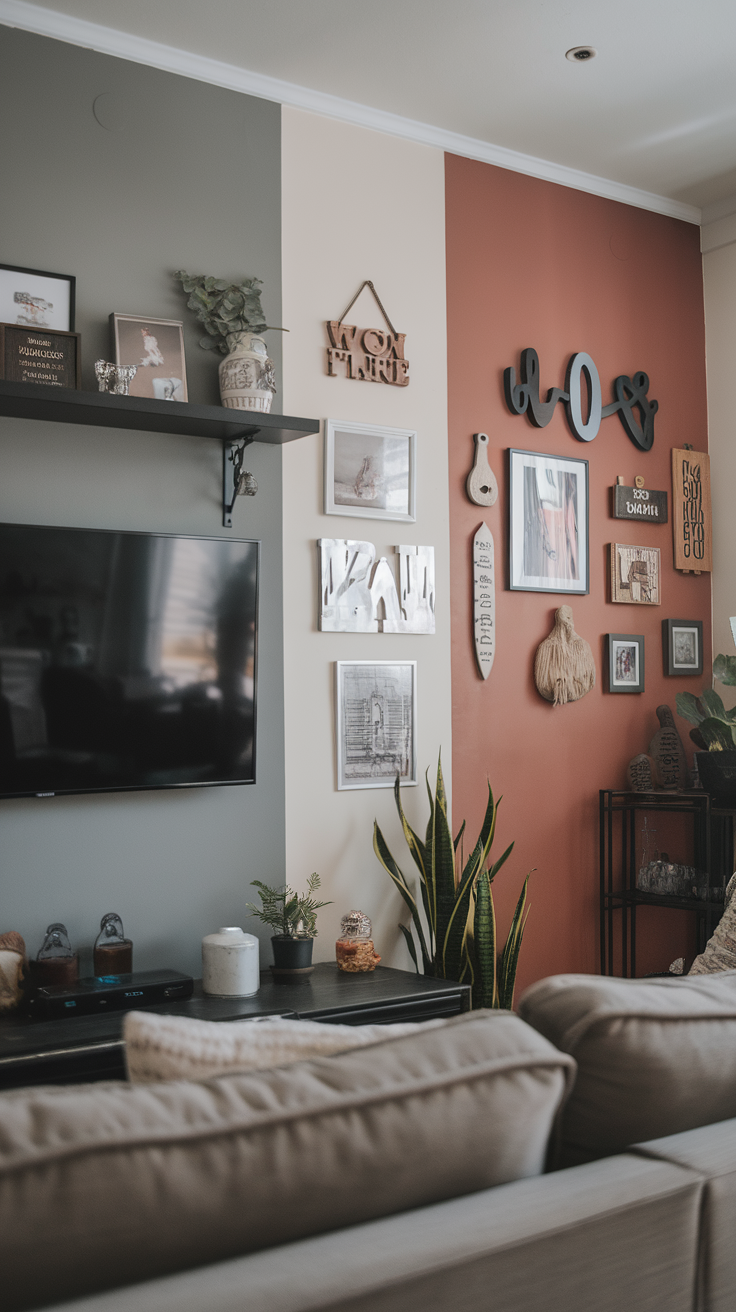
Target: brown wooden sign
x,y
373,355
691,511
639,503
39,355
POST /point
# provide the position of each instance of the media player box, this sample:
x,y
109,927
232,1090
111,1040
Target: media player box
x,y
112,993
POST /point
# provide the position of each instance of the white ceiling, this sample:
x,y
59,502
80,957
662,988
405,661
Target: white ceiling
x,y
655,110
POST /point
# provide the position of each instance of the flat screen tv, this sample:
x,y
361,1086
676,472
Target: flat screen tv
x,y
127,660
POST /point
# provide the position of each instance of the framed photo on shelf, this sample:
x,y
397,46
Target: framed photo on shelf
x,y
548,523
376,719
635,574
370,471
682,646
156,347
34,299
625,662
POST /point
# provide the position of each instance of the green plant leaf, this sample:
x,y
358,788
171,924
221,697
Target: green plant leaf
x,y
380,847
441,874
717,734
687,706
512,948
484,945
712,703
487,831
459,835
495,869
414,843
724,669
410,945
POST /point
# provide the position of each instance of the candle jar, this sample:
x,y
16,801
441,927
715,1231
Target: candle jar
x,y
56,962
354,948
113,952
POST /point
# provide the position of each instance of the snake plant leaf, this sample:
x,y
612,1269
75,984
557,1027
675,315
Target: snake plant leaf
x,y
712,703
487,831
717,734
441,882
414,842
410,944
380,847
512,948
495,868
459,835
688,708
484,945
724,669
453,949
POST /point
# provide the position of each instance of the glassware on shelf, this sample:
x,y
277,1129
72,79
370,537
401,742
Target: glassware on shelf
x,y
57,962
354,949
113,952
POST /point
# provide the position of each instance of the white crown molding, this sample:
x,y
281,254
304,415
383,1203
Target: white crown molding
x,y
123,45
718,209
715,235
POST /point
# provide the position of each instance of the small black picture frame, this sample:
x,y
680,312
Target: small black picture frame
x,y
33,298
682,647
625,662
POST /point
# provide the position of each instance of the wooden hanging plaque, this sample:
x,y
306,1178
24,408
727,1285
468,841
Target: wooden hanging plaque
x,y
691,512
372,355
484,600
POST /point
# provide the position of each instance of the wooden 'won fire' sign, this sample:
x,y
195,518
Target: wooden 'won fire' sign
x,y
372,355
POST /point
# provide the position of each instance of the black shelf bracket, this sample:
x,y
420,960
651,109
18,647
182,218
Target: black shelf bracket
x,y
233,454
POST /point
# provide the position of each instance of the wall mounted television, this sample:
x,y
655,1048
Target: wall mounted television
x,y
127,660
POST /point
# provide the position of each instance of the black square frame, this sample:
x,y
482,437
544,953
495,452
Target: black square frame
x,y
682,647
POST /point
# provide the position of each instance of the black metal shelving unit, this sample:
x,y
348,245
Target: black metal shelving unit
x,y
620,857
235,429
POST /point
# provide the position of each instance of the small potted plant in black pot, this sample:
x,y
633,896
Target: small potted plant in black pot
x,y
294,918
714,732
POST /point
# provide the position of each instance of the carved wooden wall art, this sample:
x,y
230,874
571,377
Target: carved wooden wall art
x,y
639,502
481,485
582,393
564,669
372,355
635,574
358,594
668,753
691,512
641,773
484,600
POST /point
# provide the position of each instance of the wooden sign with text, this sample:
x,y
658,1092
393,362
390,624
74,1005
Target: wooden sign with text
x,y
39,355
372,355
639,503
691,511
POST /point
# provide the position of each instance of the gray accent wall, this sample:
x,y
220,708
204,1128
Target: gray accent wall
x,y
182,175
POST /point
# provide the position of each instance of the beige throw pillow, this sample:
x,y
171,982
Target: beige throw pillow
x,y
654,1056
177,1048
720,950
105,1187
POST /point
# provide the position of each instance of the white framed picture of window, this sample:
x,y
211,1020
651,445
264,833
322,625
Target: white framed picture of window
x,y
376,719
548,523
370,471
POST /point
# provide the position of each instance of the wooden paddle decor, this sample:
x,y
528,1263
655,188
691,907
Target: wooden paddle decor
x,y
481,485
484,600
372,355
691,511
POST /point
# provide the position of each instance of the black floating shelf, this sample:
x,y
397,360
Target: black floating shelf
x,y
64,405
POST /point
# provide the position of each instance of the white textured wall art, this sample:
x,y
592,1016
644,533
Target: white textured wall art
x,y
358,594
484,599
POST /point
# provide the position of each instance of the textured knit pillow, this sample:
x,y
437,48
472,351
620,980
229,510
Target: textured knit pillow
x,y
720,950
177,1048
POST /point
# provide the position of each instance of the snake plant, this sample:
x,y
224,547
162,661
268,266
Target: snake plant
x,y
460,942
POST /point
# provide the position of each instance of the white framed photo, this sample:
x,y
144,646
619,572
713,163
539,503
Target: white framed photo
x,y
376,718
156,348
548,523
370,471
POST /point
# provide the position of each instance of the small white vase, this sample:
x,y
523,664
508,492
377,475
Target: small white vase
x,y
230,963
246,375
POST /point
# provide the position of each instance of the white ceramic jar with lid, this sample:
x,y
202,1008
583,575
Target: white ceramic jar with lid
x,y
230,963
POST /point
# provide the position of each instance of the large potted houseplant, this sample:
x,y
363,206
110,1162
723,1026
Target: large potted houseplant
x,y
456,935
714,732
293,916
233,319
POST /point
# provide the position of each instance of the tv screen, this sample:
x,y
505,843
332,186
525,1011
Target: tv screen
x,y
127,660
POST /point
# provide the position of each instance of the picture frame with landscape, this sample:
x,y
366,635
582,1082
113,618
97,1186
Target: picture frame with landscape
x,y
682,647
625,662
370,471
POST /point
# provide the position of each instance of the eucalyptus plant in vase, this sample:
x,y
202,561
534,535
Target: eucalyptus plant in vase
x,y
233,319
293,916
458,938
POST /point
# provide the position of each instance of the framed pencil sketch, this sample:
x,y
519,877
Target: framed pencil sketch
x,y
548,523
682,646
156,348
34,299
635,574
370,471
625,662
376,717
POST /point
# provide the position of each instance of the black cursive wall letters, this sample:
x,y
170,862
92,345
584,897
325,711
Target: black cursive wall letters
x,y
631,393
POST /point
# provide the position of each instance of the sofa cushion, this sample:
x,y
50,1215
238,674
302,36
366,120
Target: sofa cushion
x,y
181,1048
128,1183
654,1056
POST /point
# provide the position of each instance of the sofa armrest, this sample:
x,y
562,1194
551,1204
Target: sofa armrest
x,y
620,1233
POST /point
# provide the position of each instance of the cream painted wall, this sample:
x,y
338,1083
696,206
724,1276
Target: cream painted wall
x,y
719,274
357,204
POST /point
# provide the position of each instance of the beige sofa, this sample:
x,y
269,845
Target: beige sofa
x,y
410,1175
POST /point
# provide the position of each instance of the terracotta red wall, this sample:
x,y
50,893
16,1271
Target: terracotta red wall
x,y
530,263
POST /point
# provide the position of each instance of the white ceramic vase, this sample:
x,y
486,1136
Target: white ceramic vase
x,y
230,963
246,375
